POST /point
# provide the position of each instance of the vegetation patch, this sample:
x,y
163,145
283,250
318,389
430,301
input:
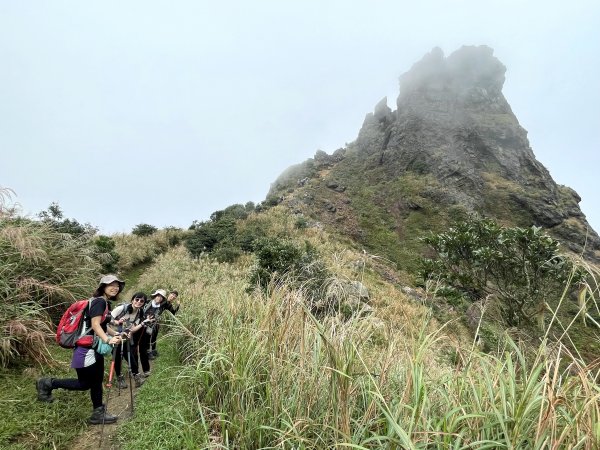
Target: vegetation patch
x,y
30,424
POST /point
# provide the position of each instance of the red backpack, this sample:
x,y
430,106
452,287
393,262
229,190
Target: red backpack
x,y
72,329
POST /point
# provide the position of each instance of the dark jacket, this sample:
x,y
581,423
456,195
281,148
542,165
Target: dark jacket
x,y
150,310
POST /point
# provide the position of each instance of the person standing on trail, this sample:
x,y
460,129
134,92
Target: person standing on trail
x,y
128,319
160,303
89,364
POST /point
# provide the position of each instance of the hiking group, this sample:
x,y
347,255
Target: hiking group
x,y
94,330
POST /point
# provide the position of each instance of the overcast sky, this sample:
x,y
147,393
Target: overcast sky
x,y
155,112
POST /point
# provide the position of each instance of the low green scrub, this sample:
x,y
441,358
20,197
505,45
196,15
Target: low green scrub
x,y
144,229
283,261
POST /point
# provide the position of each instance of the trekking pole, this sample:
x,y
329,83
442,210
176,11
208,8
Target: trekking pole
x,y
108,386
130,375
120,374
121,366
112,368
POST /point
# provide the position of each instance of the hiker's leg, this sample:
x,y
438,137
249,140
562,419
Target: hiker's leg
x,y
70,384
143,351
118,359
87,378
133,348
95,375
154,336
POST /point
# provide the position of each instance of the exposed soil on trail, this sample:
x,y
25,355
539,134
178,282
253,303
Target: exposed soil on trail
x,y
119,404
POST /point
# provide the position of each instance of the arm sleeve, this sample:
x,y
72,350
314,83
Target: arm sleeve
x,y
97,307
172,308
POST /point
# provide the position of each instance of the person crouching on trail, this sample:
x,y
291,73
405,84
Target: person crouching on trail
x,y
160,303
128,319
89,364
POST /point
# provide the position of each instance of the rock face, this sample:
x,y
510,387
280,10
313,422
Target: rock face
x,y
454,129
452,120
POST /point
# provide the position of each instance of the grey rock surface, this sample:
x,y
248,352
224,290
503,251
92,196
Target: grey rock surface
x,y
452,121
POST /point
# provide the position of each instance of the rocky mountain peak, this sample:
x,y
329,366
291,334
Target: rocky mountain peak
x,y
452,147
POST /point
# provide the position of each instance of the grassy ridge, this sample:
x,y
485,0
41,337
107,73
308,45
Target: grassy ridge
x,y
260,372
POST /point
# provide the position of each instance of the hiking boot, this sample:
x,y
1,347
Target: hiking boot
x,y
44,390
151,355
138,379
121,384
99,415
146,374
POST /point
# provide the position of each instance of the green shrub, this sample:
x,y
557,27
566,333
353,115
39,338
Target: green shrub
x,y
301,223
280,260
107,254
226,254
54,217
202,239
144,229
521,267
174,235
220,230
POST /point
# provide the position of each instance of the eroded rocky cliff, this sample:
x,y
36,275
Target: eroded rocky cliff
x,y
452,147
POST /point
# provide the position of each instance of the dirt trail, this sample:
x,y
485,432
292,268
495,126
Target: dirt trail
x,y
119,405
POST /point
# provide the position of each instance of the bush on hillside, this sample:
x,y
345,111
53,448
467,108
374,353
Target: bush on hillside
x,y
144,229
174,235
53,216
301,223
227,254
520,267
220,231
107,254
280,260
250,232
202,239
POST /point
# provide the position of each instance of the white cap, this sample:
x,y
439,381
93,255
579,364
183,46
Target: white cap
x,y
160,292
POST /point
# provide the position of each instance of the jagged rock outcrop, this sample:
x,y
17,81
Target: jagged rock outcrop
x,y
453,144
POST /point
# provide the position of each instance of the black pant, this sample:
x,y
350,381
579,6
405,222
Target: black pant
x,y
153,337
122,354
141,347
87,378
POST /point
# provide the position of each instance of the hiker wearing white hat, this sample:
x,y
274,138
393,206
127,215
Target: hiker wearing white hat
x,y
160,302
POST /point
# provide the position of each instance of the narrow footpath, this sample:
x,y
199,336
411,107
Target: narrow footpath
x,y
119,404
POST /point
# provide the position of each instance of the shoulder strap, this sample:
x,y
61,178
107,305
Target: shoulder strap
x,y
124,310
86,318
